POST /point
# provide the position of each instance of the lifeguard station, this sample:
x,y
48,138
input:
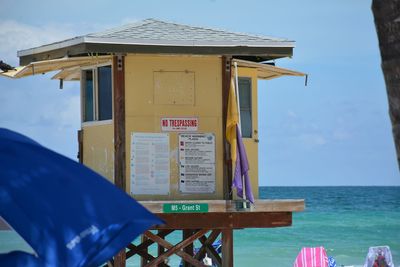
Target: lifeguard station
x,y
154,99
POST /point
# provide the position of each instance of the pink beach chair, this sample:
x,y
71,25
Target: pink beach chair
x,y
311,257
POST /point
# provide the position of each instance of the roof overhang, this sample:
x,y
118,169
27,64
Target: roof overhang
x,y
83,46
266,71
150,42
68,67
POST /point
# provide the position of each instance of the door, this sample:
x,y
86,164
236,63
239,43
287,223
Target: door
x,y
248,116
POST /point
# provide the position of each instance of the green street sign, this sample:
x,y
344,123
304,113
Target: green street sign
x,y
185,207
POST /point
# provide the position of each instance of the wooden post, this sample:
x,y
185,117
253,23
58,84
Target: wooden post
x,y
119,135
189,249
80,146
227,167
160,251
119,122
177,249
227,247
144,261
120,259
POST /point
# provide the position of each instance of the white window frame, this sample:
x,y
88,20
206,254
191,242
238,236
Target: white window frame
x,y
96,120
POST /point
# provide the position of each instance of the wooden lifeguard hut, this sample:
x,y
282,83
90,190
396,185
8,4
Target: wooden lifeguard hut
x,y
154,99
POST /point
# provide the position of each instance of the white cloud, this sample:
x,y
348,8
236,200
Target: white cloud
x,y
71,110
129,20
313,139
291,114
17,36
34,105
341,134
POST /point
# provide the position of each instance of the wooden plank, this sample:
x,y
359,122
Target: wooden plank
x,y
157,206
120,259
207,247
144,245
268,205
189,248
226,64
227,248
143,253
119,121
80,146
160,250
261,220
109,263
177,249
214,255
260,205
235,220
144,259
119,135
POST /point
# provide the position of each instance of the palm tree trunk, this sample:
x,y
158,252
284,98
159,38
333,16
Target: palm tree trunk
x,y
387,23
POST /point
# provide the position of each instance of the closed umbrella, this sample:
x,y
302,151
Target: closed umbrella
x,y
69,215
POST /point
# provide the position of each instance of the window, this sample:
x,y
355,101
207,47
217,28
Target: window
x,y
97,94
245,106
88,107
104,93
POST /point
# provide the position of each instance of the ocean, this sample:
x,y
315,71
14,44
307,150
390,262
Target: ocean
x,y
345,220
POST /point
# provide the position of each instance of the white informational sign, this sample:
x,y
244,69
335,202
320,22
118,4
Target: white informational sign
x,y
179,124
197,163
150,166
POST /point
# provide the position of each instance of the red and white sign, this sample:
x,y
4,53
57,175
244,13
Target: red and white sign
x,y
179,124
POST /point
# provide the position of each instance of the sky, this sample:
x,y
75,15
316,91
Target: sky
x,y
335,131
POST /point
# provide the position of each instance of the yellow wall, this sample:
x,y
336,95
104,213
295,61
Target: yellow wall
x,y
144,110
143,115
98,149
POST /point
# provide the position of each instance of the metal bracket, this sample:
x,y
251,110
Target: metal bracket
x,y
119,62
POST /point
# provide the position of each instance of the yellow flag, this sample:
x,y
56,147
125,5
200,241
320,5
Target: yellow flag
x,y
232,119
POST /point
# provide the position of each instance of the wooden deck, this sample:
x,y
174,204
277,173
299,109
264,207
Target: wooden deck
x,y
260,205
219,219
225,214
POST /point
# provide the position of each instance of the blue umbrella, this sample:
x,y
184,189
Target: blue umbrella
x,y
68,214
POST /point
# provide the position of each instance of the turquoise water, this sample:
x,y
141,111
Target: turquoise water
x,y
345,220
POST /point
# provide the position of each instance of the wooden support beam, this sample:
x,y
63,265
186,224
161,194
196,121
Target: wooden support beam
x,y
144,245
119,135
227,166
119,121
227,248
208,247
143,253
261,205
80,146
177,249
120,259
109,263
189,248
222,220
160,251
144,259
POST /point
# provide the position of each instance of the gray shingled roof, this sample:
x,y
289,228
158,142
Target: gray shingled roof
x,y
151,31
155,36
